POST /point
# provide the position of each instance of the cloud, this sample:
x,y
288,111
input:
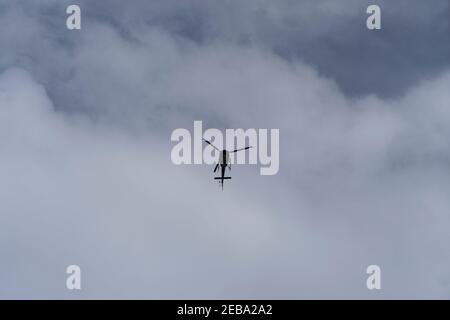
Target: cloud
x,y
85,122
411,47
78,192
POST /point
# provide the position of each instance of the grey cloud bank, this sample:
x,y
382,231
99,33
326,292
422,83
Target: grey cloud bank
x,y
86,176
330,35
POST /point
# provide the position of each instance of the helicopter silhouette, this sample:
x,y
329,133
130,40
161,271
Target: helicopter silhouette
x,y
224,161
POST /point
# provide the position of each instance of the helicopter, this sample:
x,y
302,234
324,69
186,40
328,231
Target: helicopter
x,y
224,161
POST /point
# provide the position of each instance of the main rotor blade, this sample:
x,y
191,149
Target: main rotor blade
x,y
210,144
236,150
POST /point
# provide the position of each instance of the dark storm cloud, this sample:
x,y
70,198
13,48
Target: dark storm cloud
x,y
331,35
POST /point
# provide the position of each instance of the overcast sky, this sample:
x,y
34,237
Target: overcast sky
x,y
85,170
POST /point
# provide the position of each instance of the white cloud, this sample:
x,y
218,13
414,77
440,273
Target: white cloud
x,y
74,191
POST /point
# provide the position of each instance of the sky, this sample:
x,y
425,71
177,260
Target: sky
x,y
86,176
